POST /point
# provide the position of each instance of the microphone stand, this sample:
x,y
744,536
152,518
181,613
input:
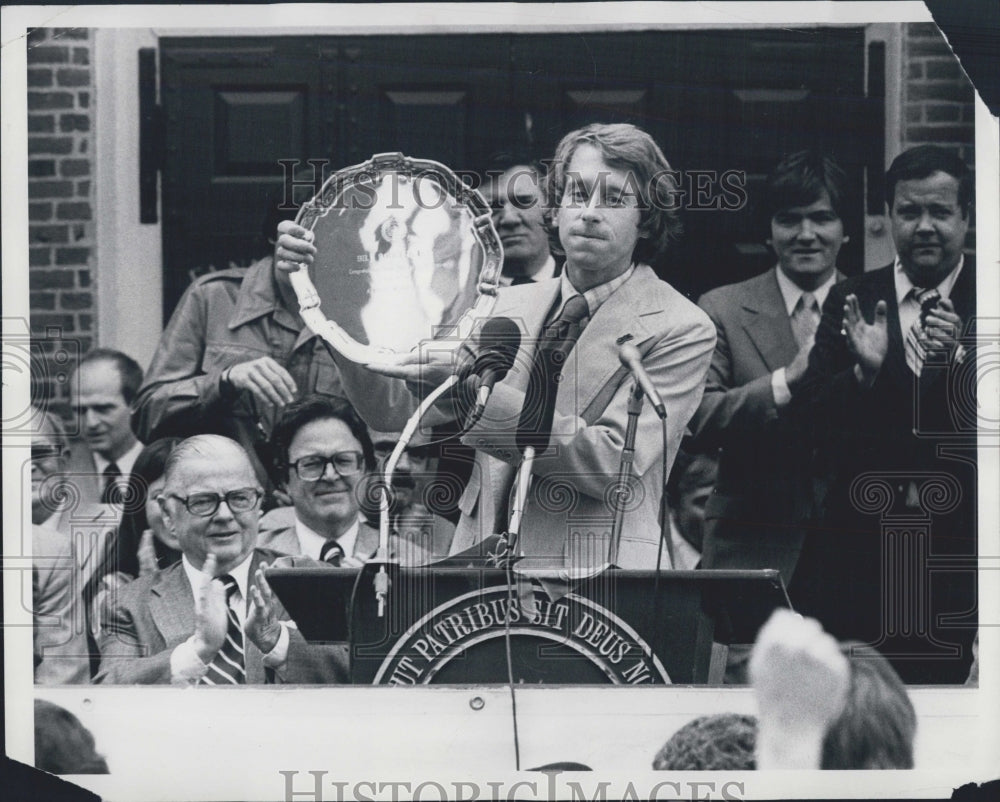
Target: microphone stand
x,y
522,486
625,469
382,555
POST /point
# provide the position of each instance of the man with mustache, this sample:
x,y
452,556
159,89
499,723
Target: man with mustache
x,y
894,386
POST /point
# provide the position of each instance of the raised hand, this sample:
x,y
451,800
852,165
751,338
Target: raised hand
x,y
147,554
211,616
868,342
262,624
294,249
800,678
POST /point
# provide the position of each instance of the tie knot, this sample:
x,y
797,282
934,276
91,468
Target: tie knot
x,y
927,298
807,301
575,310
230,584
332,552
112,470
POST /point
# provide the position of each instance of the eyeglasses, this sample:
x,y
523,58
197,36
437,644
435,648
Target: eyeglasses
x,y
312,468
205,505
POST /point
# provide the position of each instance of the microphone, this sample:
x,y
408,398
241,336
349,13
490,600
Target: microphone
x,y
630,357
500,340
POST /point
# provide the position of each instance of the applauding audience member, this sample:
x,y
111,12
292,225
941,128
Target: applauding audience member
x,y
211,618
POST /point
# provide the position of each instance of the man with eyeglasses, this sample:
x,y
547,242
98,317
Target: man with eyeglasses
x,y
322,451
210,619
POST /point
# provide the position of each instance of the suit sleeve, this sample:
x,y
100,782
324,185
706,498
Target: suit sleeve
x,y
60,645
177,395
125,659
586,453
728,410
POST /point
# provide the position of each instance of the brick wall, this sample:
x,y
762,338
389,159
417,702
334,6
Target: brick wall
x,y
60,203
938,98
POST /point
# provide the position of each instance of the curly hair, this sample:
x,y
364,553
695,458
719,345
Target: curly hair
x,y
721,742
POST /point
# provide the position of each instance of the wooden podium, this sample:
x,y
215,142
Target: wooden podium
x,y
451,624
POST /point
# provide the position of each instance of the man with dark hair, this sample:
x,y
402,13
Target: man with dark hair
x,y
513,188
755,517
210,619
895,388
104,386
322,452
234,353
607,187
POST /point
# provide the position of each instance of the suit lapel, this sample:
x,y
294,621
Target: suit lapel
x,y
593,362
171,605
766,322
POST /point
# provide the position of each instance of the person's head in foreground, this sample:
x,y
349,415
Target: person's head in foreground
x,y
823,705
62,744
720,742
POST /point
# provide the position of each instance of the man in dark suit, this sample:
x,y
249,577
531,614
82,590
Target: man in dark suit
x,y
104,385
891,376
211,618
757,513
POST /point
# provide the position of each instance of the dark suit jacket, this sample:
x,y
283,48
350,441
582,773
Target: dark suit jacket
x,y
154,614
763,493
899,429
874,429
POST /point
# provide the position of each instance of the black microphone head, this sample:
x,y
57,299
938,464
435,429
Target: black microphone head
x,y
499,342
629,355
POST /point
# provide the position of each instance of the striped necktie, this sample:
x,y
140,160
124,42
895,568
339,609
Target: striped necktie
x,y
228,667
805,319
332,552
916,354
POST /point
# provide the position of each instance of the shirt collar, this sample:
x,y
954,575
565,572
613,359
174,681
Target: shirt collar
x,y
311,542
258,296
595,296
547,270
904,286
792,292
124,462
241,573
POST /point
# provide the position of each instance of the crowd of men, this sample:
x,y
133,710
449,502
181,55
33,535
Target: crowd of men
x,y
798,384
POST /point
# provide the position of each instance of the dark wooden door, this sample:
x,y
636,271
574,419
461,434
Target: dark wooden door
x,y
717,102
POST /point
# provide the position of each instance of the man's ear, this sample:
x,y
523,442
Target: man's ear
x,y
168,519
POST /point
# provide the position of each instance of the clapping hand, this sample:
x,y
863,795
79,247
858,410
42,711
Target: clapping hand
x,y
211,615
868,342
262,624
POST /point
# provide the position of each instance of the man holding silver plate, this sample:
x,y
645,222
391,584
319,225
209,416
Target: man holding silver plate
x,y
567,406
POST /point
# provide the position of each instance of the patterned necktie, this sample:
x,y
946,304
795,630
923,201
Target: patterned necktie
x,y
111,494
805,319
535,423
332,552
228,667
915,351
